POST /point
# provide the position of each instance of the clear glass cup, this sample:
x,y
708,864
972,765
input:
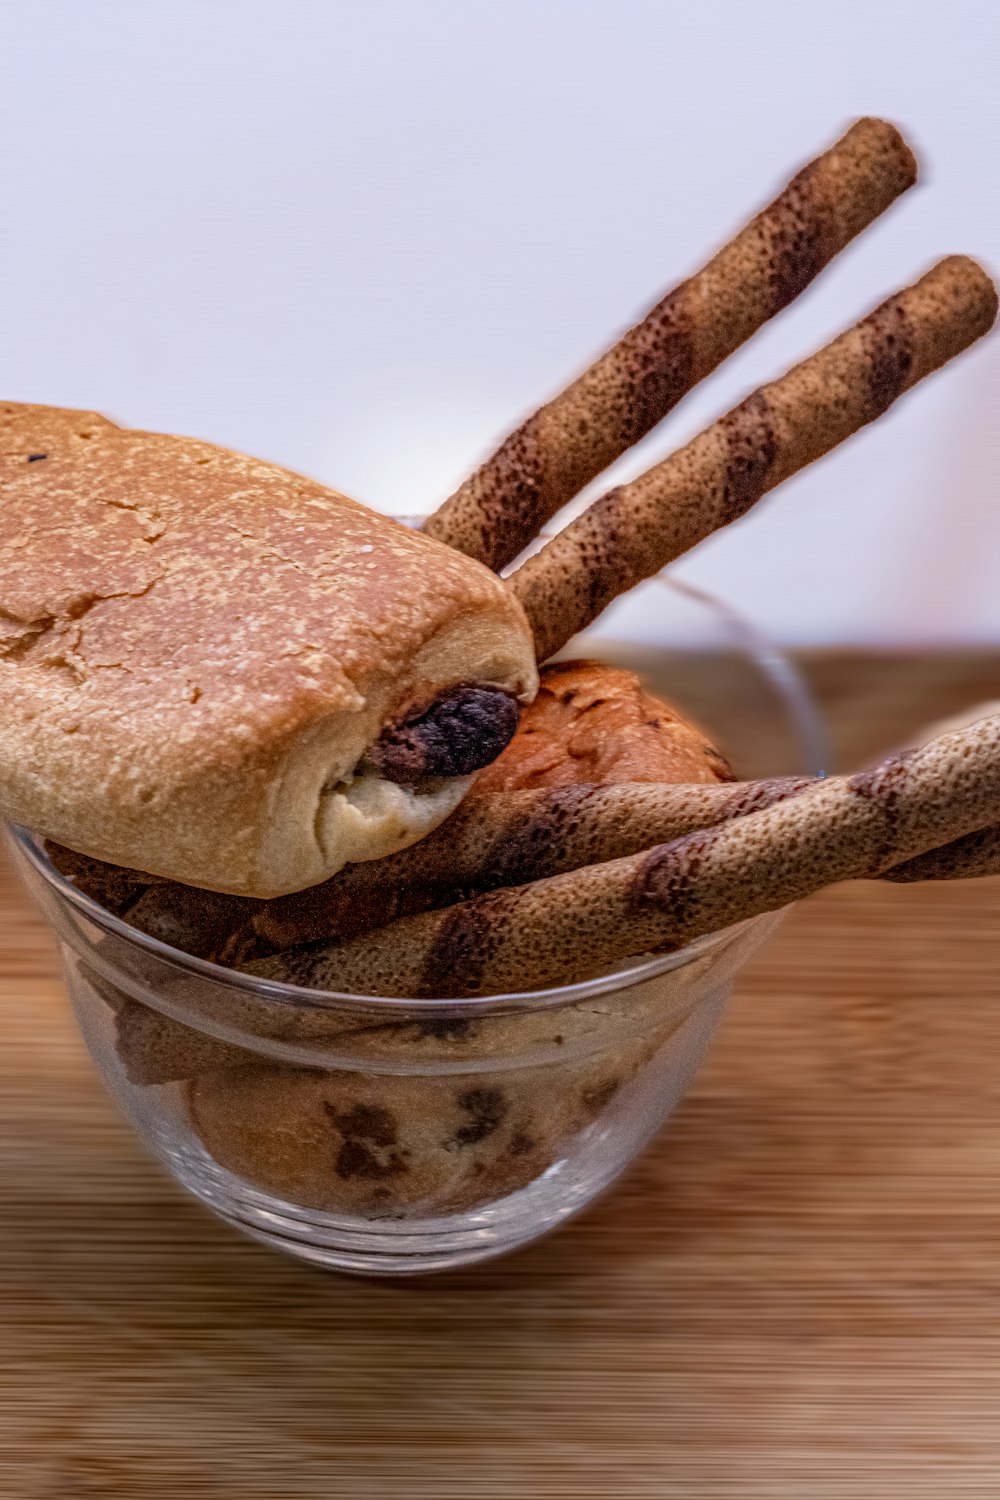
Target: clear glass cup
x,y
387,1136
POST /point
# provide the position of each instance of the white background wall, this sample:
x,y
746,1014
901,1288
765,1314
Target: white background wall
x,y
362,239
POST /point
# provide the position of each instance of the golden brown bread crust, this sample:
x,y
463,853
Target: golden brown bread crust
x,y
593,723
597,724
196,649
590,724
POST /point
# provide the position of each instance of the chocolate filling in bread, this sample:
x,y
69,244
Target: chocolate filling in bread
x,y
463,729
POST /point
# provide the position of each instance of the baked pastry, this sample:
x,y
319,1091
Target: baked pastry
x,y
215,670
597,724
590,723
384,1145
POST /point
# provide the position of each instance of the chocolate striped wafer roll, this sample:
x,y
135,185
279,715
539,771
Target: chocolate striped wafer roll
x,y
154,1048
505,839
573,926
547,460
968,858
502,840
633,531
517,837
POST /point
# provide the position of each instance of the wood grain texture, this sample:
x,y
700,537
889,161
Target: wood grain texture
x,y
794,1294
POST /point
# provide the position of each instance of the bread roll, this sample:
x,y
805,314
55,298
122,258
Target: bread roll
x,y
217,671
590,723
597,724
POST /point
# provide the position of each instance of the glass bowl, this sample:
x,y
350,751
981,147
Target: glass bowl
x,y
387,1136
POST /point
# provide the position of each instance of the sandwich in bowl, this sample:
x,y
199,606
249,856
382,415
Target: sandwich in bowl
x,y
218,671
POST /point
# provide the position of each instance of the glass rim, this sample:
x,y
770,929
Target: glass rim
x,y
29,846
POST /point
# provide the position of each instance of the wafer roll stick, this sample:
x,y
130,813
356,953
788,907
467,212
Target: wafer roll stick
x,y
509,840
523,836
500,840
573,926
547,460
968,858
633,531
505,839
154,1048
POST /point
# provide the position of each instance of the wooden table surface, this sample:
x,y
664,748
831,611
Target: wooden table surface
x,y
795,1293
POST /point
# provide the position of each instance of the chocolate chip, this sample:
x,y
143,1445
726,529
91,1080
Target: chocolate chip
x,y
354,1159
366,1122
486,1108
363,1127
33,458
462,730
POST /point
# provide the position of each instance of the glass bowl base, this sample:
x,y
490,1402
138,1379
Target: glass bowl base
x,y
394,1246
